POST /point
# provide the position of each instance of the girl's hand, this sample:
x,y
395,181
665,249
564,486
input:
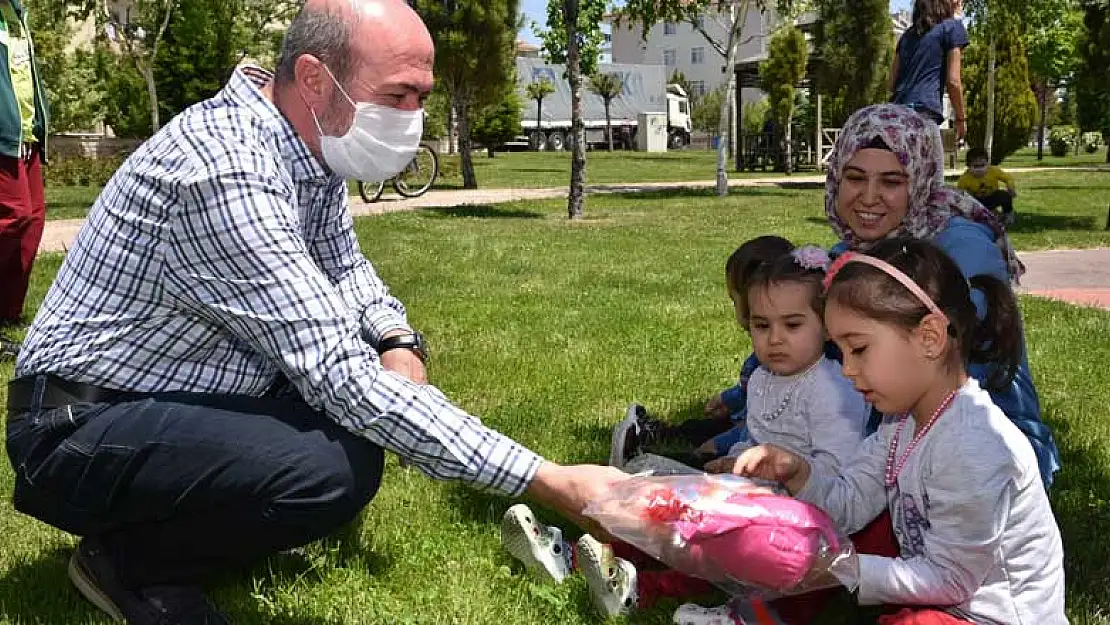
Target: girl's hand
x,y
716,408
769,462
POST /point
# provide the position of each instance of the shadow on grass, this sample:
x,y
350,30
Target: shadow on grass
x,y
1064,187
481,211
1039,222
1081,501
634,192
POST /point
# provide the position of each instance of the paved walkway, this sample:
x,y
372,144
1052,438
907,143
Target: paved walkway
x,y
1078,276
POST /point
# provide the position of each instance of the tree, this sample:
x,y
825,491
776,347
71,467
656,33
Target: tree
x,y
1092,90
138,32
497,123
732,16
475,46
994,18
679,78
784,68
608,87
538,90
856,41
753,116
77,98
1050,40
573,36
1016,107
706,114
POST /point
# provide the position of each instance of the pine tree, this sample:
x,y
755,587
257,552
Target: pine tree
x,y
1015,102
856,41
1092,89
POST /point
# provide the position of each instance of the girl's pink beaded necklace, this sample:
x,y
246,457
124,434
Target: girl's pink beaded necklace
x,y
892,471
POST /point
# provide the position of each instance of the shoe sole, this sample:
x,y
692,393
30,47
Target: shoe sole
x,y
518,532
82,580
620,433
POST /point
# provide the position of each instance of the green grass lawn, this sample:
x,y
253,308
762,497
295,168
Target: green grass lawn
x,y
547,330
552,169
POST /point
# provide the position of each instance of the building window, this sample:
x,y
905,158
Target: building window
x,y
699,21
697,56
670,28
698,88
670,59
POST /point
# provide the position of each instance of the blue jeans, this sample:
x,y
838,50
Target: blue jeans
x,y
179,486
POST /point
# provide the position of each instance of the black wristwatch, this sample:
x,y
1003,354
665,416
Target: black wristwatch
x,y
414,341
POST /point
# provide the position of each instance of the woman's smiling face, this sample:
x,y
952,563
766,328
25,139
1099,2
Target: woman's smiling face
x,y
874,194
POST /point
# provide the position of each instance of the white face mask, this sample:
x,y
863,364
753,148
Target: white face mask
x,y
380,143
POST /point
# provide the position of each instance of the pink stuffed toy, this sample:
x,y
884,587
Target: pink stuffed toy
x,y
725,530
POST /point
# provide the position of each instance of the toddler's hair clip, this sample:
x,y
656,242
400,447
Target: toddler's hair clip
x,y
811,257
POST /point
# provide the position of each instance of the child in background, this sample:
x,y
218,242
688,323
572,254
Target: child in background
x,y
797,399
978,540
981,180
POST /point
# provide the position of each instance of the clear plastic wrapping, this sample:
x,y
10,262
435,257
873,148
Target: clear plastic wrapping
x,y
730,531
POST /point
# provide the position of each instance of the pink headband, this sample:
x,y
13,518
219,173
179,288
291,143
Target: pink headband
x,y
888,269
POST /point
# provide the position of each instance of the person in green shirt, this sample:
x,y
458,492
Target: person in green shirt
x,y
23,128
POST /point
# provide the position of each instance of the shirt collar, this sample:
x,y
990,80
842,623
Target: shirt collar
x,y
245,89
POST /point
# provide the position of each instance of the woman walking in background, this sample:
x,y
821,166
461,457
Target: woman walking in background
x,y
927,61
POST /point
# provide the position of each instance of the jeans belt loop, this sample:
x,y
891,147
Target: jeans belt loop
x,y
40,391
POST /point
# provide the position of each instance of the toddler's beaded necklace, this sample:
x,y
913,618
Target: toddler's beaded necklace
x,y
892,470
777,412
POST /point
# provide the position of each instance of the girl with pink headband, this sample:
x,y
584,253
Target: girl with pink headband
x,y
978,541
886,179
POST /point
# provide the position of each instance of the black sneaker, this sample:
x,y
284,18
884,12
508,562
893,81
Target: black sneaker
x,y
94,575
635,432
9,349
179,605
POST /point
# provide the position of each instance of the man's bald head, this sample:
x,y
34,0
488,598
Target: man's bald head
x,y
343,34
338,54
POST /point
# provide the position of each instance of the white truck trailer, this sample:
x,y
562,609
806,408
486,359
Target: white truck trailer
x,y
645,91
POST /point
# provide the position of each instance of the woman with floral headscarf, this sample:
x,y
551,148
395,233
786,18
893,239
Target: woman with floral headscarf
x,y
885,180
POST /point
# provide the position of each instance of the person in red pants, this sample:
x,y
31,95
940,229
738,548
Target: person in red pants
x,y
23,129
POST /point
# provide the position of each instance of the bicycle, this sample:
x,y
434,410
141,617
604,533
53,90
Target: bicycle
x,y
413,181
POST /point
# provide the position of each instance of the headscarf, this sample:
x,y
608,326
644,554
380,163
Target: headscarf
x,y
917,144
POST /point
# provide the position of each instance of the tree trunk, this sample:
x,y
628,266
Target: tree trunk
x,y
152,94
466,159
577,195
490,152
451,126
788,166
988,140
608,127
539,119
737,16
1044,113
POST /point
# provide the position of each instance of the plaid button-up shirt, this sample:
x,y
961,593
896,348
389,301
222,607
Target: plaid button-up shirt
x,y
222,255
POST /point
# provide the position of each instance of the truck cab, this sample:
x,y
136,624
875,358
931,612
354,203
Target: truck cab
x,y
679,125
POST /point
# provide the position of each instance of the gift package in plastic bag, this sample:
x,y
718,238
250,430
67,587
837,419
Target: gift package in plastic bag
x,y
727,530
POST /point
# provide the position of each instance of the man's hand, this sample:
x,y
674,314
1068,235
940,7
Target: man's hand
x,y
961,129
405,362
567,489
721,465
